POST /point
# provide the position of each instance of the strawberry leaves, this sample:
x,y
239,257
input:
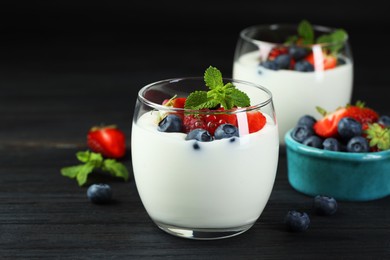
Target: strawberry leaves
x,y
92,161
226,95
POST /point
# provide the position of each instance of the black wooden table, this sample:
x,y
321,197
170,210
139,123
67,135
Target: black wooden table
x,y
51,95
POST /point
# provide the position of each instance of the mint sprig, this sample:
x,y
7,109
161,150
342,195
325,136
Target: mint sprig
x,y
305,36
226,95
93,161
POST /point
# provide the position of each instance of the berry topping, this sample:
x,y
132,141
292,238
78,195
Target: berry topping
x,y
361,113
303,66
283,61
199,134
256,121
331,144
306,120
324,205
348,128
297,221
277,51
301,132
327,126
99,193
226,131
171,123
358,144
270,64
297,52
313,141
384,120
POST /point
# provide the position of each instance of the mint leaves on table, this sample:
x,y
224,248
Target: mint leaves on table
x,y
92,161
226,95
306,36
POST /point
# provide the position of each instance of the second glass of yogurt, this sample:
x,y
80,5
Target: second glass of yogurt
x,y
302,74
210,189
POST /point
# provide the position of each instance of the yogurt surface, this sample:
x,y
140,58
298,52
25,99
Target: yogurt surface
x,y
297,93
223,184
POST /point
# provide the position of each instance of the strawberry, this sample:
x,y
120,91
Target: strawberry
x,y
175,102
276,51
256,121
362,114
327,126
378,137
107,140
329,61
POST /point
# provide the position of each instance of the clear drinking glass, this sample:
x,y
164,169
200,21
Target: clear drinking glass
x,y
203,190
297,88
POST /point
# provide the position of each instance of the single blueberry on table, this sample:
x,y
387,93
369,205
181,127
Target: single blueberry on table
x,y
349,127
331,144
301,132
225,131
313,141
200,135
297,221
306,120
358,144
99,193
324,205
171,123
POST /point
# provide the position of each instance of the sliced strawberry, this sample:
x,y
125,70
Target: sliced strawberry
x,y
107,140
328,61
256,121
276,51
327,126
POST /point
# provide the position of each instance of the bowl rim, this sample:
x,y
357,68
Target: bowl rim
x,y
325,154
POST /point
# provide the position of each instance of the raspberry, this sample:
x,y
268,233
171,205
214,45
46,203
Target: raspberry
x,y
192,122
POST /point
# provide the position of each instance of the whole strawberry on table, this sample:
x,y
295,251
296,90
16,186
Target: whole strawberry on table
x,y
352,128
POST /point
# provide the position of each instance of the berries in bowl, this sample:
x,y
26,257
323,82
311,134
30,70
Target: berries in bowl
x,y
345,154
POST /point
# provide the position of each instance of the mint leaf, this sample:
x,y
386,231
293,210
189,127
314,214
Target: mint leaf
x,y
219,94
71,171
83,173
94,161
305,30
115,168
83,156
240,98
213,78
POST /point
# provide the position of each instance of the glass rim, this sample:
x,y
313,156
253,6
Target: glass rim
x,y
277,26
161,107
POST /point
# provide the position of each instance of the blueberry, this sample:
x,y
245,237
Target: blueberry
x,y
349,127
331,144
297,221
313,141
171,123
301,132
99,193
306,120
270,65
384,120
358,144
297,52
199,134
340,61
303,66
324,205
283,61
225,131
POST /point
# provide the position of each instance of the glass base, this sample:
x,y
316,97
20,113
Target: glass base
x,y
203,233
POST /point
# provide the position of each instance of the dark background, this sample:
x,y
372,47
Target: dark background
x,y
48,47
68,65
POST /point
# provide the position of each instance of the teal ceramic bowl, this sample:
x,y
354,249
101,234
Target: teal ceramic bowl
x,y
344,176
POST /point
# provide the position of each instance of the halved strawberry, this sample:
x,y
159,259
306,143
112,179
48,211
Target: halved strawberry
x,y
107,140
327,126
328,61
256,121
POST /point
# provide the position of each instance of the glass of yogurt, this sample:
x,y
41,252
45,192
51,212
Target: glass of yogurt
x,y
304,67
203,189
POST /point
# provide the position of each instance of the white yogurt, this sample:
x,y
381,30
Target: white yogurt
x,y
222,184
298,93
